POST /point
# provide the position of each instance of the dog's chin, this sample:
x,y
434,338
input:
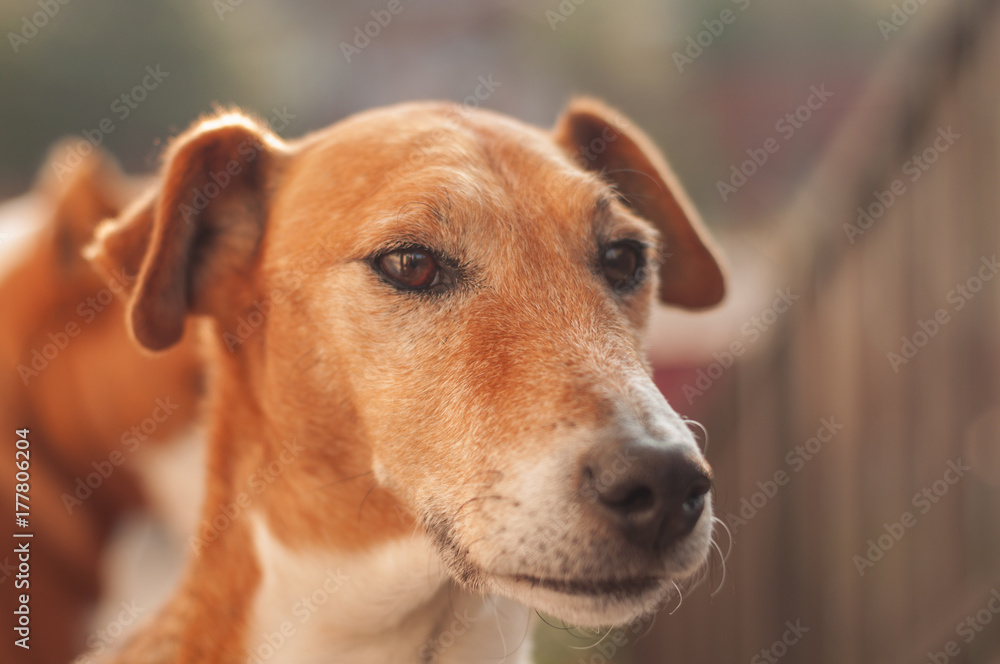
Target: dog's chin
x,y
599,603
586,603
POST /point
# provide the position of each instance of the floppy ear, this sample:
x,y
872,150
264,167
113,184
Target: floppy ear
x,y
93,188
602,140
193,237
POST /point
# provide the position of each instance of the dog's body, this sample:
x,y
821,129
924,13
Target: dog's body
x,y
75,381
429,402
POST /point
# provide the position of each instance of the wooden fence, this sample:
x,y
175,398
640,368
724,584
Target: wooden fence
x,y
872,540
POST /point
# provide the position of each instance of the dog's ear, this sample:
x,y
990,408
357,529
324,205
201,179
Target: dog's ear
x,y
194,235
600,139
84,185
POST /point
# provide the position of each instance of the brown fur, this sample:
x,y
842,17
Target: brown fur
x,y
76,408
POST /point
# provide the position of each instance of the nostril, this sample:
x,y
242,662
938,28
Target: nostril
x,y
699,487
695,499
694,503
639,499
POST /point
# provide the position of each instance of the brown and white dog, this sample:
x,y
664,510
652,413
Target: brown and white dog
x,y
87,397
428,393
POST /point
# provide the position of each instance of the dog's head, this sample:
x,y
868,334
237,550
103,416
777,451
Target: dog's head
x,y
456,302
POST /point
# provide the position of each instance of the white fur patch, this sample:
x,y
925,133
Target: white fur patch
x,y
20,220
392,604
144,560
173,476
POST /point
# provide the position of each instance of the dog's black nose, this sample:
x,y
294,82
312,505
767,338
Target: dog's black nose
x,y
654,495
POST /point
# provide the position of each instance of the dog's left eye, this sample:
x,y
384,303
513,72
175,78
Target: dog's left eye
x,y
621,263
414,269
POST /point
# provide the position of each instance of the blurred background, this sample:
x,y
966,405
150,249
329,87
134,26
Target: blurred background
x,y
847,156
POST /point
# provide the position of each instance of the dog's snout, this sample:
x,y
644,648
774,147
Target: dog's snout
x,y
655,496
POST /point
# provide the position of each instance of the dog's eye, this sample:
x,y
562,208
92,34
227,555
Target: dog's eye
x,y
621,263
411,268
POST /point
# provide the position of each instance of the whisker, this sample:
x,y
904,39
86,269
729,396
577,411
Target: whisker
x,y
652,623
723,581
638,172
595,644
729,533
564,628
524,636
474,499
346,479
695,581
496,618
695,423
680,598
368,493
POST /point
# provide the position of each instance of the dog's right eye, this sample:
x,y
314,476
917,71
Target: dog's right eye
x,y
414,269
622,263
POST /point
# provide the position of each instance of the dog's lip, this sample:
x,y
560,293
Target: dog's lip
x,y
629,587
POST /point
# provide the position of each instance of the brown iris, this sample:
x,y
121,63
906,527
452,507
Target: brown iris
x,y
410,268
621,263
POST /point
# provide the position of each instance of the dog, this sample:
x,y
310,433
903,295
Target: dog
x,y
76,383
429,408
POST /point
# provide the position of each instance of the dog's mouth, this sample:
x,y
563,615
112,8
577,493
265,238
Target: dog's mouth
x,y
589,598
617,588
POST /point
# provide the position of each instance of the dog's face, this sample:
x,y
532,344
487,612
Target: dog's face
x,y
472,325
